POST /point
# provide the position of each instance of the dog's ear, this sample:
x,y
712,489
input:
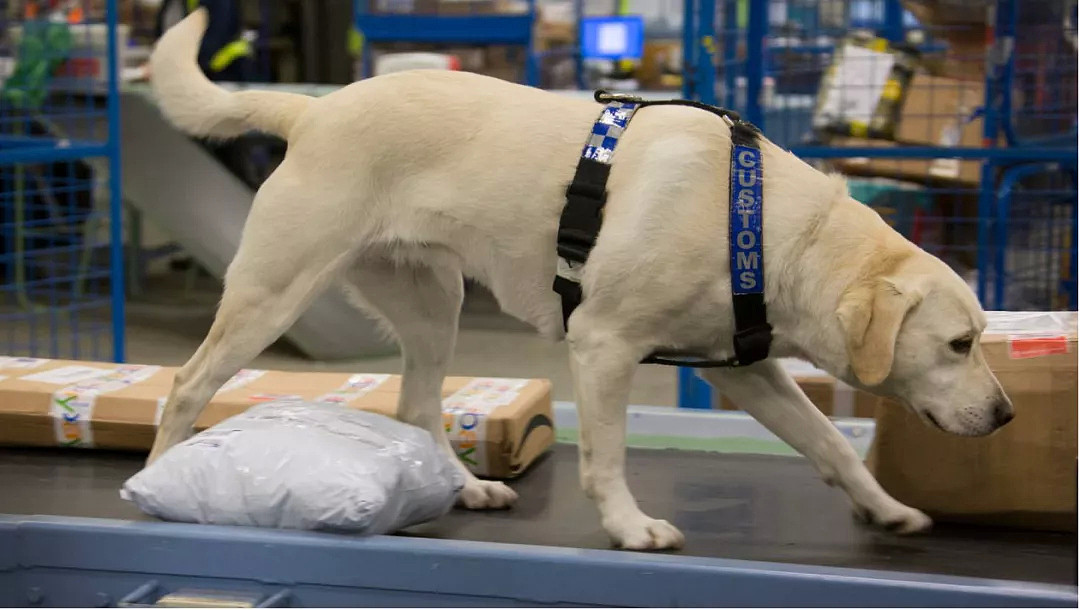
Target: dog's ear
x,y
871,314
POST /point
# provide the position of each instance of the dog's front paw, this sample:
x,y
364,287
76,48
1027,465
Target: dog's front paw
x,y
642,533
897,518
479,495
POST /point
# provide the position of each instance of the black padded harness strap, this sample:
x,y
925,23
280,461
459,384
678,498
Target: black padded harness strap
x,y
581,219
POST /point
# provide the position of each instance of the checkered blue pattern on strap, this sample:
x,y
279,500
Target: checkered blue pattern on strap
x,y
607,130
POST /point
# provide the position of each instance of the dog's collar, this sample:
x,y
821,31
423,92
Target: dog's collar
x,y
581,218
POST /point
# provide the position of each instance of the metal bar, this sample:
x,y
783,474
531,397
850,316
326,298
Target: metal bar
x,y
705,41
579,55
982,239
116,210
694,392
476,29
731,50
757,31
932,152
532,69
1001,205
893,29
1001,63
985,260
690,392
48,154
689,49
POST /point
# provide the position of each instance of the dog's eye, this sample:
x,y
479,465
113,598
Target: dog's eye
x,y
961,345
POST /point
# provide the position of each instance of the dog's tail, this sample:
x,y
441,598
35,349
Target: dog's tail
x,y
200,108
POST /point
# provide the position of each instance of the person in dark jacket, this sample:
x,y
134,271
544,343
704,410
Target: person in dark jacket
x,y
226,53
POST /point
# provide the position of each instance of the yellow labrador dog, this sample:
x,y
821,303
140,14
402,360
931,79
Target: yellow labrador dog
x,y
396,187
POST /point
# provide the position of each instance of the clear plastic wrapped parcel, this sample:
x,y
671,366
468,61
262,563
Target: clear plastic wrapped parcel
x,y
301,466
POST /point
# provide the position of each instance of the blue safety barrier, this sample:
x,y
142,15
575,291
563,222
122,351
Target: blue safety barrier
x,y
61,256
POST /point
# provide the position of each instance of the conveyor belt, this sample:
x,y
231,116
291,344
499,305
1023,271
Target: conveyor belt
x,y
729,506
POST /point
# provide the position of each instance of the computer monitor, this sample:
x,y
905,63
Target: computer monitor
x,y
613,37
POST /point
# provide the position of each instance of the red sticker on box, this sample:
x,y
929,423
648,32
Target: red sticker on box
x,y
1033,347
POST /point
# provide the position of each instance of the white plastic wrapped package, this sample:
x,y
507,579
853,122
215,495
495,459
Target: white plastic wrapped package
x,y
301,466
1020,323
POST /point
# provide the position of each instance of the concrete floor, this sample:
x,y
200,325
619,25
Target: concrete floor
x,y
166,323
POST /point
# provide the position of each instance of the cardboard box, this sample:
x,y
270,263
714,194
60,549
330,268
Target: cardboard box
x,y
936,111
554,34
963,26
1023,475
660,59
497,426
939,111
956,172
940,13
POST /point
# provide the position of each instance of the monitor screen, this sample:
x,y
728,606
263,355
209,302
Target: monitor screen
x,y
613,37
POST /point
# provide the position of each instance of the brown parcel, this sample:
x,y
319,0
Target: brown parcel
x,y
516,428
935,112
961,25
1024,475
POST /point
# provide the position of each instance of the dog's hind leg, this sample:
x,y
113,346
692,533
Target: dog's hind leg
x,y
422,303
768,393
603,359
279,269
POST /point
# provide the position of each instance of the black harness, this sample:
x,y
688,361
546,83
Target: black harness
x,y
581,219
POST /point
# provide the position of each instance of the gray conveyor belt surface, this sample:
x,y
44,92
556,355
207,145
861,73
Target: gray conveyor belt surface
x,y
731,506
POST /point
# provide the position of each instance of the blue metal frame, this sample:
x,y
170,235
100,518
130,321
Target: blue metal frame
x,y
730,49
116,206
57,561
932,152
68,99
579,57
480,30
434,29
689,49
45,154
699,83
757,32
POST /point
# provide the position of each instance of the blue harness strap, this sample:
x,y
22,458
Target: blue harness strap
x,y
607,130
753,333
581,219
745,220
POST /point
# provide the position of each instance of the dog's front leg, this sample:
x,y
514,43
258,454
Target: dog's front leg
x,y
767,392
603,366
422,305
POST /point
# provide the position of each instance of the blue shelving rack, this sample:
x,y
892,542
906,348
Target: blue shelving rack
x,y
61,243
468,30
1021,237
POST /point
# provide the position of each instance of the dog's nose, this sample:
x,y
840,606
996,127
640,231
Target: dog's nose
x,y
1003,412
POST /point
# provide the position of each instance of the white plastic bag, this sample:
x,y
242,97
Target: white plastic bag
x,y
1030,323
301,466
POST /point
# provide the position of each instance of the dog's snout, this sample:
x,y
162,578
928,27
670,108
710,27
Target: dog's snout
x,y
1003,412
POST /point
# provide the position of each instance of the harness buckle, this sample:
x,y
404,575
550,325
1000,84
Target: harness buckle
x,y
752,344
574,246
595,194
